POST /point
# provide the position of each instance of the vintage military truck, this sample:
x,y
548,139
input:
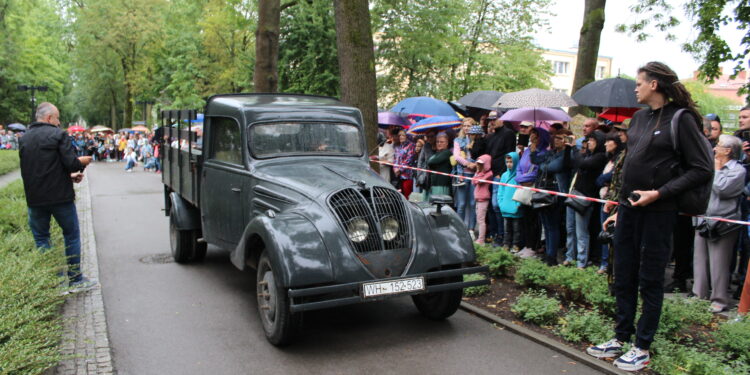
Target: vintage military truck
x,y
284,184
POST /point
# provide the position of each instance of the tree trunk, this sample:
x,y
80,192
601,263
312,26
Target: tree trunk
x,y
357,63
588,46
266,75
128,116
113,110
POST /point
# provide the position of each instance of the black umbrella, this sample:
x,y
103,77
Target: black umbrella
x,y
484,99
16,127
610,92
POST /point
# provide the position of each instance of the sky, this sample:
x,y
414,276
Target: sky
x,y
627,53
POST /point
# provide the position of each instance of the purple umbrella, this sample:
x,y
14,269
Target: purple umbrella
x,y
535,115
388,119
435,123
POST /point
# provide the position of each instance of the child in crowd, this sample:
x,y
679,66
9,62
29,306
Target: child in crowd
x,y
482,194
508,207
130,159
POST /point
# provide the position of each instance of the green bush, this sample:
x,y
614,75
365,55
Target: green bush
x,y
30,326
532,272
678,313
499,261
734,337
534,306
582,325
671,358
474,291
8,161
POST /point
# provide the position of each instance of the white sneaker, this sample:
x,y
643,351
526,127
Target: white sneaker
x,y
634,360
609,349
527,253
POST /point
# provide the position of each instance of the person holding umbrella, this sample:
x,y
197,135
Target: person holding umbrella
x,y
404,155
440,162
465,167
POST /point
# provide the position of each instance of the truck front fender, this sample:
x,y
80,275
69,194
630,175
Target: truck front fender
x,y
294,246
450,237
185,215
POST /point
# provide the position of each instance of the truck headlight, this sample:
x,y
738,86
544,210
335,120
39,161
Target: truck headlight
x,y
357,230
389,226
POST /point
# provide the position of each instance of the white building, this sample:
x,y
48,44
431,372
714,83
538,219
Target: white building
x,y
564,68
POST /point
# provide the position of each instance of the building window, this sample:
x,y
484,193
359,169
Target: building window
x,y
600,71
564,91
561,67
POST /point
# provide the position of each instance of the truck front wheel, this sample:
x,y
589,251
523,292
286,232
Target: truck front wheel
x,y
279,323
438,305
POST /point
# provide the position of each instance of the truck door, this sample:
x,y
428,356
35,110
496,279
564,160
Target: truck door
x,y
222,198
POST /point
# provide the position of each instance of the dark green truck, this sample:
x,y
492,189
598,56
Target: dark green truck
x,y
283,183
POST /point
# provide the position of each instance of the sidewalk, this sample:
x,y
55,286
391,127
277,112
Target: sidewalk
x,y
85,346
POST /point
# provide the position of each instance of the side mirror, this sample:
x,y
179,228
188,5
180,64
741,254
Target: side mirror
x,y
439,201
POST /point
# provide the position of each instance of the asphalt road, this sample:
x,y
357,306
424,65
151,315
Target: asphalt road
x,y
166,318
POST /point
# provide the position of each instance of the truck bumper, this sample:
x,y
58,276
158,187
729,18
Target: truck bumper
x,y
315,298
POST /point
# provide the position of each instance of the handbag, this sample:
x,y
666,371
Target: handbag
x,y
540,199
693,201
577,204
716,230
523,196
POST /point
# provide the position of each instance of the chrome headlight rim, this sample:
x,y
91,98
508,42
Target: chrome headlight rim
x,y
357,230
389,228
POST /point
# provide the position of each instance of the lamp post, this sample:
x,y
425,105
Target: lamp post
x,y
144,114
33,89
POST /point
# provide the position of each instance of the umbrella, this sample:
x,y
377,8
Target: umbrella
x,y
423,106
610,92
535,98
16,127
535,115
388,119
75,129
435,123
124,130
100,128
140,128
483,99
618,114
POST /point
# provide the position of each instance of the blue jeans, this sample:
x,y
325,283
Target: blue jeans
x,y
465,202
570,231
129,165
582,235
550,218
498,216
605,247
67,218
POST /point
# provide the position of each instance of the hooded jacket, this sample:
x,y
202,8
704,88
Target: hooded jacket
x,y
499,144
509,207
47,160
482,189
527,171
590,166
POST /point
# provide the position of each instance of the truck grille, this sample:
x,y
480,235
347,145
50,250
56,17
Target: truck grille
x,y
373,206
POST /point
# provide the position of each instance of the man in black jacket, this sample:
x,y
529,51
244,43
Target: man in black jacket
x,y
49,167
500,142
646,217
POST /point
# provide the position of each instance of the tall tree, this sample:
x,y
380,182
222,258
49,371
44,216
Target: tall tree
x,y
357,62
588,46
266,77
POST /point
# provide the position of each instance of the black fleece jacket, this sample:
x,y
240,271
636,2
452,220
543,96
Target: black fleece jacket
x,y
652,164
47,160
499,144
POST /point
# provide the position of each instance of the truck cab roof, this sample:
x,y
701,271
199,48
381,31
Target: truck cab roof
x,y
264,107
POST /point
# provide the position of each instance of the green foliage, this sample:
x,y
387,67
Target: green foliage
x,y
474,291
30,327
588,326
8,161
677,359
678,313
499,261
535,307
734,337
707,102
532,272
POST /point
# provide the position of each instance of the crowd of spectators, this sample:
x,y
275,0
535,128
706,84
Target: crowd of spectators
x,y
132,148
713,254
9,139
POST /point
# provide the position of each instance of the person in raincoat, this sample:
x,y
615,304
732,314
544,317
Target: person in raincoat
x,y
509,208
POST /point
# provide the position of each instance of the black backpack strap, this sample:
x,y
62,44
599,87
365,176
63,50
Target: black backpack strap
x,y
675,128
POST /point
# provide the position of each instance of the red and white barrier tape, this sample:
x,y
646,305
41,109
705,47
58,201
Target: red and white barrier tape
x,y
746,223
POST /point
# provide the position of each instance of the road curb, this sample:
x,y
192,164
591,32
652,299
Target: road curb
x,y
582,358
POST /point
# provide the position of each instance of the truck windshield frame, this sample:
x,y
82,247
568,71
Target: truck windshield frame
x,y
302,138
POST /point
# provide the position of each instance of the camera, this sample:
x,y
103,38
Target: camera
x,y
745,135
569,139
634,197
607,236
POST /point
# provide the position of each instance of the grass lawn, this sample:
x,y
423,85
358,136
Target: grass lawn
x,y
8,161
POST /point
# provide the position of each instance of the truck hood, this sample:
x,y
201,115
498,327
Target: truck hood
x,y
320,179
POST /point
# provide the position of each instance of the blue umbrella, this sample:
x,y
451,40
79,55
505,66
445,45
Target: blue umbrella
x,y
16,127
388,119
435,123
423,106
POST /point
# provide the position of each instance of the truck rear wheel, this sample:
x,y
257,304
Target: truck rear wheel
x,y
438,305
181,242
279,323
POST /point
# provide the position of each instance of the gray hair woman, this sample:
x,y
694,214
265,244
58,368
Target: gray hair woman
x,y
714,240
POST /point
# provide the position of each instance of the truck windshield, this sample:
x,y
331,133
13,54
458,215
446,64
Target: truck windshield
x,y
282,139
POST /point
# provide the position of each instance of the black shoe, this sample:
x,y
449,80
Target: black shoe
x,y
677,286
737,292
550,261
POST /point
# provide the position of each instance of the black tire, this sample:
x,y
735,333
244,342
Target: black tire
x,y
279,324
181,242
438,305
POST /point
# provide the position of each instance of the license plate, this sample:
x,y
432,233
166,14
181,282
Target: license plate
x,y
384,288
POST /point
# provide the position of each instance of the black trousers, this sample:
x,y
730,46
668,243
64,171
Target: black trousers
x,y
684,240
642,242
